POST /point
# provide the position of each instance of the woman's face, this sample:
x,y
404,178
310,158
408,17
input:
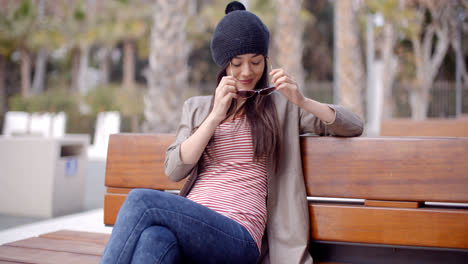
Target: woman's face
x,y
247,69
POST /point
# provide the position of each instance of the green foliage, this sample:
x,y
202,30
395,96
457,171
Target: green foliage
x,y
24,11
102,99
404,19
130,101
78,13
51,101
115,98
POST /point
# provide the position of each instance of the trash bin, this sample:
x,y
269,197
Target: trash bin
x,y
42,177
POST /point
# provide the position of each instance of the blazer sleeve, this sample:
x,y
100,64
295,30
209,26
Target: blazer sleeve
x,y
174,167
346,124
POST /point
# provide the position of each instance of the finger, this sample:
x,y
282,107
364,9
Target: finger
x,y
229,79
282,79
226,80
277,76
230,89
283,86
274,71
230,83
226,101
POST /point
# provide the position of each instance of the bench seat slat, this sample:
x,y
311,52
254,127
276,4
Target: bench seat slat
x,y
386,168
445,228
99,238
31,255
72,246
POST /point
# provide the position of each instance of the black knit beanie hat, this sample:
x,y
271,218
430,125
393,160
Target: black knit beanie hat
x,y
239,32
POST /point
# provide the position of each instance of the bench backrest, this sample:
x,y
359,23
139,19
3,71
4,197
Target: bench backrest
x,y
433,127
365,190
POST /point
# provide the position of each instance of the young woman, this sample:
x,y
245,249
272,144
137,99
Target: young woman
x,y
244,200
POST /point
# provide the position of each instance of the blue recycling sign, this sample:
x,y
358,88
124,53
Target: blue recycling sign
x,y
71,167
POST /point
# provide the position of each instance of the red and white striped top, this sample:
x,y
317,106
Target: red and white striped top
x,y
230,182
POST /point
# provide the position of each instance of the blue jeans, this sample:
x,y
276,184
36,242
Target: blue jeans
x,y
158,227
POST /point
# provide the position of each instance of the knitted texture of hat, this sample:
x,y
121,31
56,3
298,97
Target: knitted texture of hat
x,y
239,32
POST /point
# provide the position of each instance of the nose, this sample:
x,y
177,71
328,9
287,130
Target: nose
x,y
246,70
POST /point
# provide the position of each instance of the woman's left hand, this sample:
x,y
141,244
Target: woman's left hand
x,y
287,86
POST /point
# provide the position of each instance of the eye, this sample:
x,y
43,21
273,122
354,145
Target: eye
x,y
235,65
256,63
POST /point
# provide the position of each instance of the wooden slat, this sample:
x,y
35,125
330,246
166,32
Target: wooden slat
x,y
378,203
137,161
71,246
31,255
386,168
112,204
9,262
98,238
429,127
118,190
446,228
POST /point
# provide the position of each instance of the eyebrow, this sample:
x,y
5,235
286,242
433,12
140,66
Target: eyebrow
x,y
256,55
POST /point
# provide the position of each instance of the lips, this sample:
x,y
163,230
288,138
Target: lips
x,y
246,82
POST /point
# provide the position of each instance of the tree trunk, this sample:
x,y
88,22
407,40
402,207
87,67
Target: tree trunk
x,y
390,67
168,66
25,73
135,128
75,69
419,101
349,73
83,84
39,72
128,64
2,85
288,39
105,63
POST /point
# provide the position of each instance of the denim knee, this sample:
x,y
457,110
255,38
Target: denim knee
x,y
141,195
157,244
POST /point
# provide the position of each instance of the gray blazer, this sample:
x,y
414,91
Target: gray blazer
x,y
287,230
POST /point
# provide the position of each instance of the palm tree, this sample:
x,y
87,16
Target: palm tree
x,y
349,73
168,68
126,22
18,22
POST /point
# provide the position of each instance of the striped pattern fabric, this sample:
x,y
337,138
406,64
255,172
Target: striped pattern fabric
x,y
230,183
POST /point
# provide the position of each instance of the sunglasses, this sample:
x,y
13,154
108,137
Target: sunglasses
x,y
249,93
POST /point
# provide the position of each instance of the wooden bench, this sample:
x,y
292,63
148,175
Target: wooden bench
x,y
371,200
59,247
433,127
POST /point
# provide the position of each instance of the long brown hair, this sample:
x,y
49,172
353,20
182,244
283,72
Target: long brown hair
x,y
261,114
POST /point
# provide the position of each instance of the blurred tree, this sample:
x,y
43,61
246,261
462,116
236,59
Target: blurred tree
x,y
429,43
318,41
123,21
168,67
288,39
349,74
7,47
75,29
387,40
458,20
45,39
17,22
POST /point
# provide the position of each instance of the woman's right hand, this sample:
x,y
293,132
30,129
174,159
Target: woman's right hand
x,y
225,92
